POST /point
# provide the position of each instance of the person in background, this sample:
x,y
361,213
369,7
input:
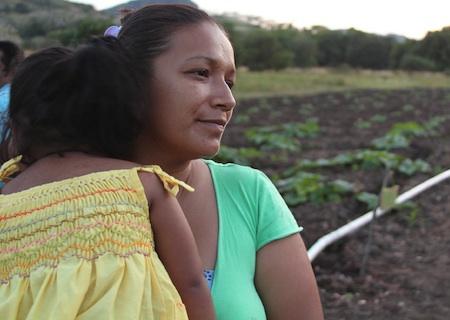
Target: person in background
x,y
10,58
85,234
249,242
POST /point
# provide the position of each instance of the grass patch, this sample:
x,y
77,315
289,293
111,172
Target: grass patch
x,y
309,81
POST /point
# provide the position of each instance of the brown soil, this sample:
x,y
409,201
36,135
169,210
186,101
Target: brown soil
x,y
407,274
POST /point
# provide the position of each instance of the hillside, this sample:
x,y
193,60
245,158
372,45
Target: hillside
x,y
34,24
136,4
37,23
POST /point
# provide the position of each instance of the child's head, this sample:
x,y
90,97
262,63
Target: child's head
x,y
88,99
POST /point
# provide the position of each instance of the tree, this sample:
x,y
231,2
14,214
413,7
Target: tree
x,y
436,47
262,49
82,30
300,43
367,51
331,47
411,62
399,50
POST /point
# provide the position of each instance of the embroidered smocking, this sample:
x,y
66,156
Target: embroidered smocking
x,y
83,247
57,224
44,226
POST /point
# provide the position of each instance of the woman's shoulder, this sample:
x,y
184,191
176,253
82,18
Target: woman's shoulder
x,y
235,172
230,167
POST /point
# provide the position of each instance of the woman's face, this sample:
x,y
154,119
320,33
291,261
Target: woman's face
x,y
190,98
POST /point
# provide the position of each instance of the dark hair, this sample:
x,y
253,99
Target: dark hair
x,y
12,55
147,31
84,100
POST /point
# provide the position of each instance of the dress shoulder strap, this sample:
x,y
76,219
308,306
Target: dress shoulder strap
x,y
170,183
9,167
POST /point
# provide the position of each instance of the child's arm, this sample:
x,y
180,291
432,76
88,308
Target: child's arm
x,y
177,250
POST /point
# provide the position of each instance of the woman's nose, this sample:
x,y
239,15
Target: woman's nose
x,y
224,97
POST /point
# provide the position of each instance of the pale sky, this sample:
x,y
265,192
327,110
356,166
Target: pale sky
x,y
409,18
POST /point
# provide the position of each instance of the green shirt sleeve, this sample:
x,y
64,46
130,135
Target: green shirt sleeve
x,y
275,219
252,213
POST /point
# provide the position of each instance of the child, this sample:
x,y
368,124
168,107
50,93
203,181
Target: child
x,y
76,240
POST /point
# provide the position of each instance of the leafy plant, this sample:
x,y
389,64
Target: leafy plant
x,y
434,123
283,137
411,212
306,109
242,118
399,136
272,141
361,124
306,187
366,160
370,199
408,107
411,208
378,118
241,156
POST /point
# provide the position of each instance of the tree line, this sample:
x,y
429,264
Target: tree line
x,y
259,44
284,46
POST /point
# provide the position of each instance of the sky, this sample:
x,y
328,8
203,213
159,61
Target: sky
x,y
409,18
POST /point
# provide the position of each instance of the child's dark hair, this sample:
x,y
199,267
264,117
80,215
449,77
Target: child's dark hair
x,y
87,99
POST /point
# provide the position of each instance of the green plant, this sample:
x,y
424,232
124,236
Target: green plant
x,y
306,109
434,123
370,199
366,160
242,118
286,101
264,104
283,137
253,110
378,118
361,124
268,141
309,129
411,212
413,62
305,187
408,107
241,156
399,136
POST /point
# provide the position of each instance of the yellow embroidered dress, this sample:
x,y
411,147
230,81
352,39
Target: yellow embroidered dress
x,y
83,248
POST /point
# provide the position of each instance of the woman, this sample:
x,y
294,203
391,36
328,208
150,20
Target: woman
x,y
247,238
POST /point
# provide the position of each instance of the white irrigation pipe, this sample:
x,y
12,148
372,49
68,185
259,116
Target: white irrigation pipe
x,y
352,226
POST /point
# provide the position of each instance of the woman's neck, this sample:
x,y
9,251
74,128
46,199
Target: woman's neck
x,y
172,164
182,171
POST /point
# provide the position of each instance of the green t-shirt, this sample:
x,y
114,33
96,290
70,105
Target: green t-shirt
x,y
252,213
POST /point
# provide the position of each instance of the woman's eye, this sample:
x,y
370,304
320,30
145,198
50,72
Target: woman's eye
x,y
201,73
230,83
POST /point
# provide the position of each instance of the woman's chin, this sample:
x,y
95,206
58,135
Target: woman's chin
x,y
211,151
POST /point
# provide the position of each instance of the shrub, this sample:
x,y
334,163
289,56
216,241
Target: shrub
x,y
411,62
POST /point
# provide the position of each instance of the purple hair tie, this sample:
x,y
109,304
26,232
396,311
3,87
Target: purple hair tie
x,y
112,31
